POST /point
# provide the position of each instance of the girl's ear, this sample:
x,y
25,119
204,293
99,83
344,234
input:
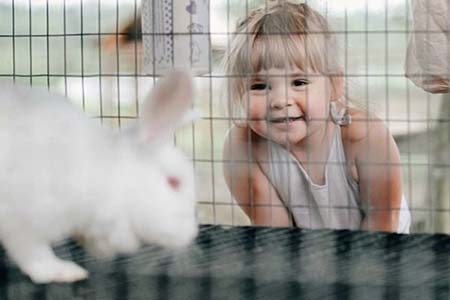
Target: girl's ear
x,y
238,115
165,108
337,86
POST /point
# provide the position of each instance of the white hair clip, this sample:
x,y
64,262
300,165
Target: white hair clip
x,y
340,117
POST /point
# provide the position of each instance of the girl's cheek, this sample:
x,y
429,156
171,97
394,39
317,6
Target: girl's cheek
x,y
256,105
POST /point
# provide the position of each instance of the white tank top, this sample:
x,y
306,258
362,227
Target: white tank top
x,y
336,204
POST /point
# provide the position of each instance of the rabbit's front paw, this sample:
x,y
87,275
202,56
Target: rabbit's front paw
x,y
56,271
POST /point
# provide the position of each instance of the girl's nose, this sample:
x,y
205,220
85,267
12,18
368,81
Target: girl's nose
x,y
280,98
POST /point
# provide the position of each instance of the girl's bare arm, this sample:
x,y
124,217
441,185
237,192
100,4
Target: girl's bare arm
x,y
378,167
248,184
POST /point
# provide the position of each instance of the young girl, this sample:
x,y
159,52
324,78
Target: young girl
x,y
297,154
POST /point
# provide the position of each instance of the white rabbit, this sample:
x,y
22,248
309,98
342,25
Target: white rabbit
x,y
63,175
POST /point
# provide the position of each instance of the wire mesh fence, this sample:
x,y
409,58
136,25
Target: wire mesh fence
x,y
92,52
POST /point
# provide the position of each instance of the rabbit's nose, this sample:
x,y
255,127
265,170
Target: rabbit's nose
x,y
174,182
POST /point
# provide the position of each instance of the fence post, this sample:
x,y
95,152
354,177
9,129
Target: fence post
x,y
440,168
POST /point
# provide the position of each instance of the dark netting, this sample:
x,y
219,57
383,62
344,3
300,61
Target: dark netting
x,y
259,263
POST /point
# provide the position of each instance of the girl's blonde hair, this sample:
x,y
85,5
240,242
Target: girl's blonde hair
x,y
281,35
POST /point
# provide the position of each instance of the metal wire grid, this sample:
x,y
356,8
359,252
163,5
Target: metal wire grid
x,y
203,139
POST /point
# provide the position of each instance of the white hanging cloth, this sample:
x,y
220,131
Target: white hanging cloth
x,y
428,54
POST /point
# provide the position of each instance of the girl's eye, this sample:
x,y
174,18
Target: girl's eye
x,y
258,86
300,82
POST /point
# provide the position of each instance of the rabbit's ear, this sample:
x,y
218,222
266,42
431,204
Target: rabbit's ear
x,y
166,107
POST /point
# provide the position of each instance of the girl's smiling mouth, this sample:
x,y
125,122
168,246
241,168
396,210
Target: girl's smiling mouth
x,y
285,119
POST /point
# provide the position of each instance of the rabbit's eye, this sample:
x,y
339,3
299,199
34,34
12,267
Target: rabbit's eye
x,y
174,182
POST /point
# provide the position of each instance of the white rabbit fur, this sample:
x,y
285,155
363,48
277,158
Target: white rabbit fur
x,y
64,175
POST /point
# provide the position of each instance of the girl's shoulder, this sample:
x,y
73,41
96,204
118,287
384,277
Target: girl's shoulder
x,y
363,125
366,131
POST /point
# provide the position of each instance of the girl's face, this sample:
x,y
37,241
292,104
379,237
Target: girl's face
x,y
287,106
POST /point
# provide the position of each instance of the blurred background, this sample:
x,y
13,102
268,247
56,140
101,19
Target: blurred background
x,y
91,51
